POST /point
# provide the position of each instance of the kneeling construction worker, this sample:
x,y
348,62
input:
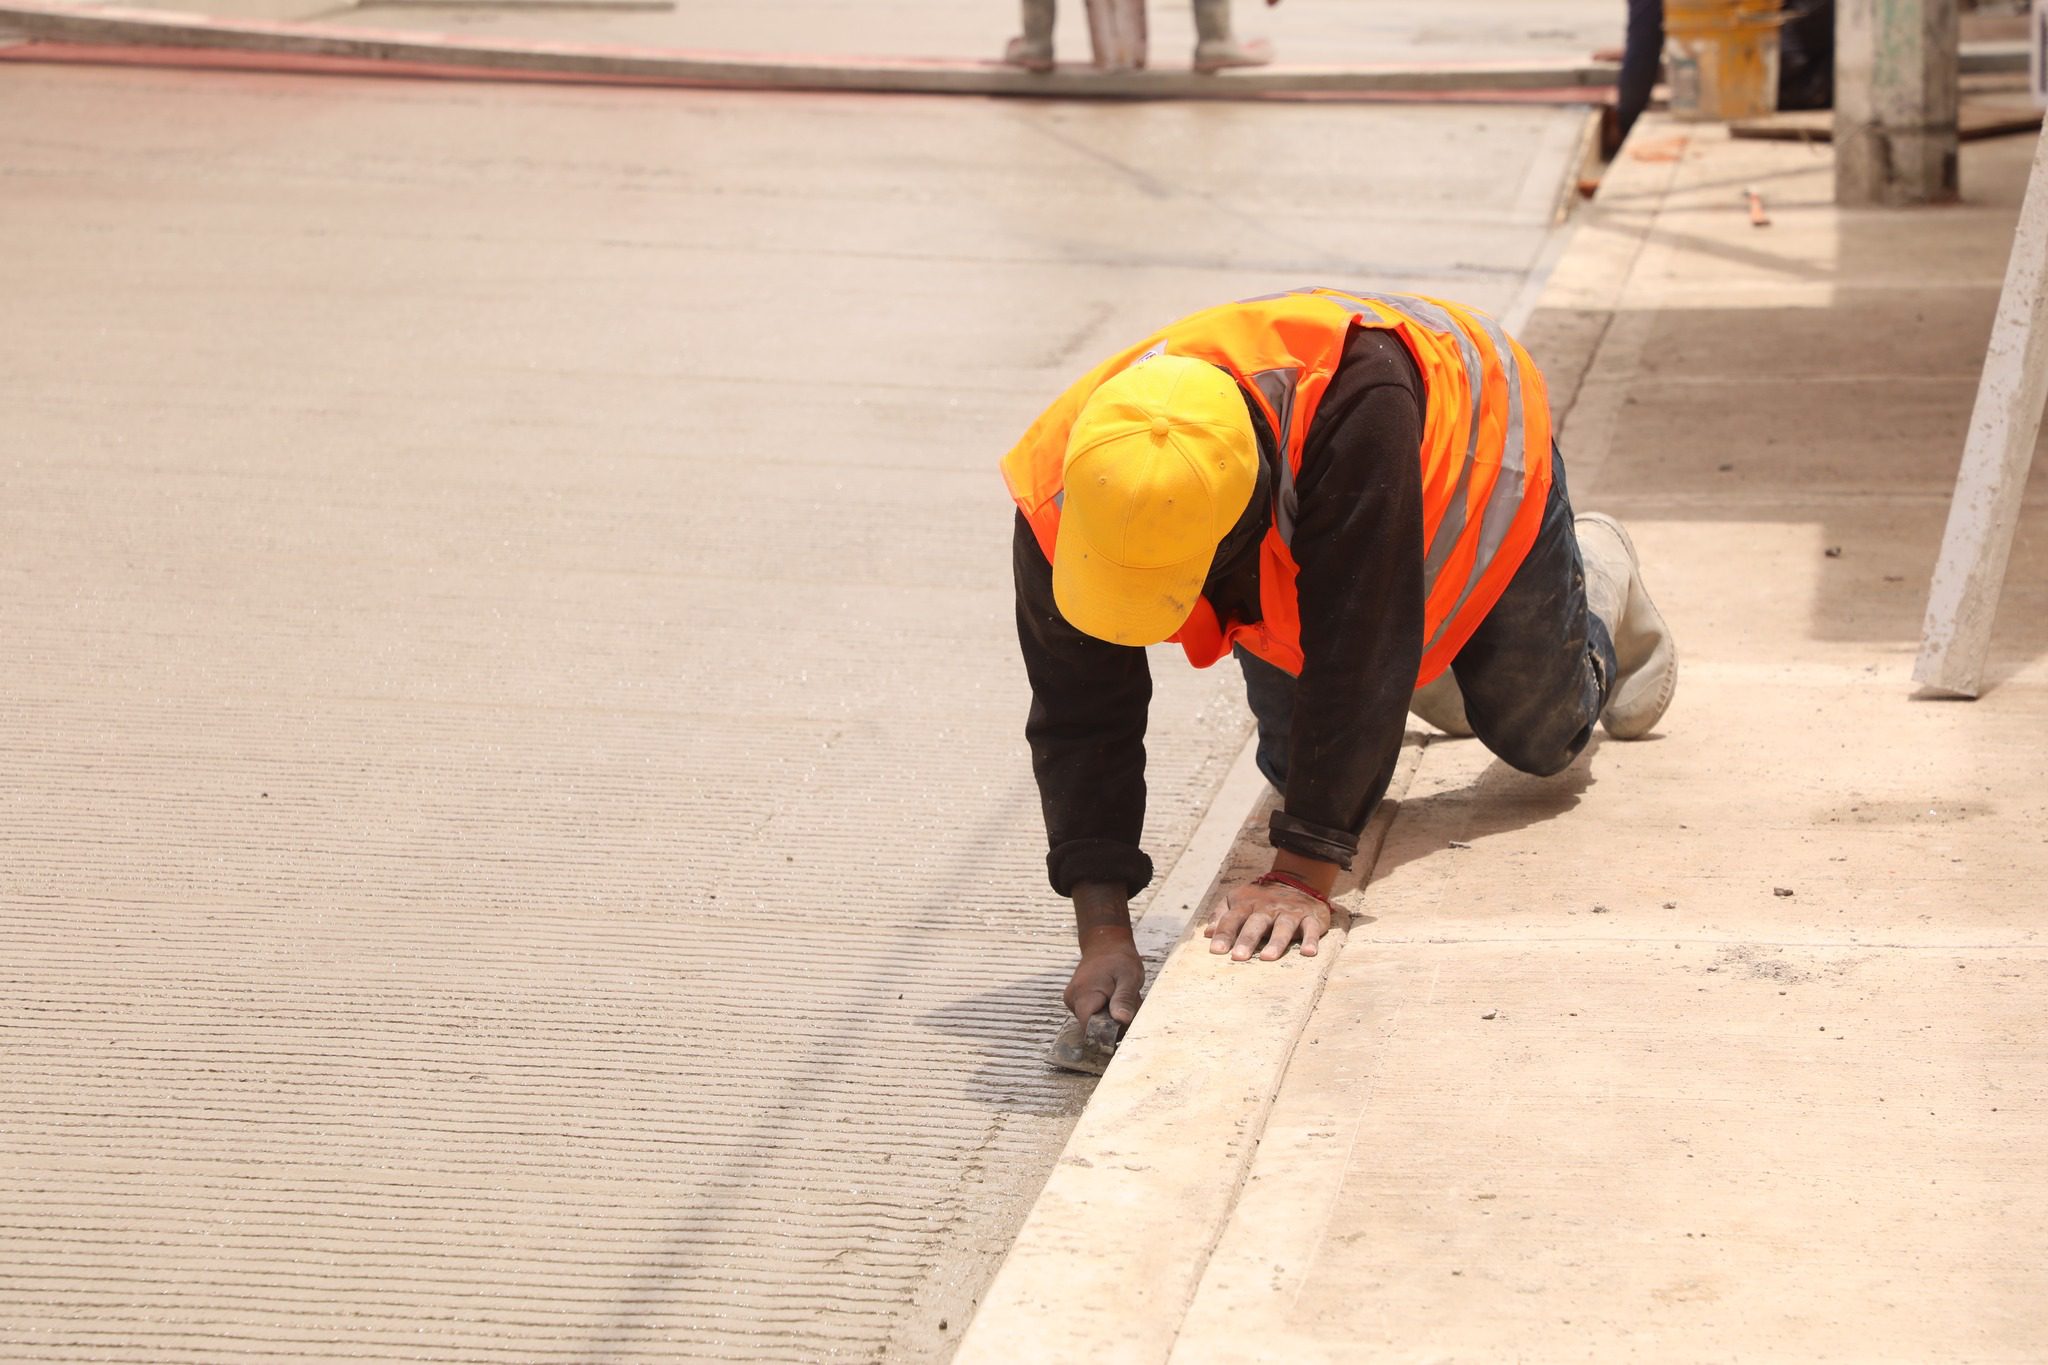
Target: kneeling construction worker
x,y
1356,495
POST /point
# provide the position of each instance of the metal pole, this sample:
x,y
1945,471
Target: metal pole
x,y
1895,101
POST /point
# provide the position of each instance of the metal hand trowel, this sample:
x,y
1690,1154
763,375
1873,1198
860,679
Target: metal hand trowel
x,y
1086,1046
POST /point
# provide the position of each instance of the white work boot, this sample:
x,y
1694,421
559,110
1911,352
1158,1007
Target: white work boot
x,y
1215,48
1032,49
1439,702
1646,660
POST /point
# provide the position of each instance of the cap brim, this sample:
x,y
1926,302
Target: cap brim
x,y
1122,605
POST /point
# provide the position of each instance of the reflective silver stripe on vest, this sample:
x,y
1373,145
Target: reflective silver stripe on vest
x,y
1453,524
1278,388
1505,499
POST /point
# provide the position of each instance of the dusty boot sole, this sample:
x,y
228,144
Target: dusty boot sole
x,y
1440,703
1643,649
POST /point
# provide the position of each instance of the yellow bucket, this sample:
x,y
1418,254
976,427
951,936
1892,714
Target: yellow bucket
x,y
1721,57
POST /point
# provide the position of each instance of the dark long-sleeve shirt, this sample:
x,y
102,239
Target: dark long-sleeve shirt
x,y
1358,543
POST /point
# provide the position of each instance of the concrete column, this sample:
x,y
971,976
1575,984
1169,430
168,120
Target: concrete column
x,y
1895,101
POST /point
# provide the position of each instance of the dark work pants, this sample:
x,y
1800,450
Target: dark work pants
x,y
1641,54
1535,674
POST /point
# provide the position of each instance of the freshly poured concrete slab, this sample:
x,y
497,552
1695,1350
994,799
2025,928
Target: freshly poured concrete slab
x,y
1561,1147
515,836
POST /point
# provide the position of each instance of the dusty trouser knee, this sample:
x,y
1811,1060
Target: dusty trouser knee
x,y
1535,674
1542,740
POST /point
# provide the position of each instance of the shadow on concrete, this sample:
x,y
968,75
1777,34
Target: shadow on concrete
x,y
1834,416
1500,800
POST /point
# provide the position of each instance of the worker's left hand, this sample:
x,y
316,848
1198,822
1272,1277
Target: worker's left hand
x,y
1271,915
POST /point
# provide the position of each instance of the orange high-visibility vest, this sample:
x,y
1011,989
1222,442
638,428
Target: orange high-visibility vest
x,y
1485,452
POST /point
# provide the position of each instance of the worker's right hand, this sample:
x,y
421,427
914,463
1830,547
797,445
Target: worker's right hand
x,y
1110,977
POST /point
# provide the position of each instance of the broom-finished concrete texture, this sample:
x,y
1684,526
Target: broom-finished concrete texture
x,y
515,837
1721,1045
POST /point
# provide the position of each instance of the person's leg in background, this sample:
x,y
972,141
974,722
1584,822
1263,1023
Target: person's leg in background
x,y
1806,55
1032,49
1215,48
1641,55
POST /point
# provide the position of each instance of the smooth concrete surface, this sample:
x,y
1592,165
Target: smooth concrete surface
x,y
1723,1045
515,836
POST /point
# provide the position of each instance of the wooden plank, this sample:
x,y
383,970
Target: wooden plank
x,y
1979,119
2003,429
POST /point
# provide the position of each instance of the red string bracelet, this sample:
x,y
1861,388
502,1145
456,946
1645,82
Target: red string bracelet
x,y
1293,883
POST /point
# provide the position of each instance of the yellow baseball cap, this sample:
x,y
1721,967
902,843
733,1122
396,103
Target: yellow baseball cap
x,y
1160,464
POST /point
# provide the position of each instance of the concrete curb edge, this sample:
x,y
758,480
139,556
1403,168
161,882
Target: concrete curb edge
x,y
1109,1257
